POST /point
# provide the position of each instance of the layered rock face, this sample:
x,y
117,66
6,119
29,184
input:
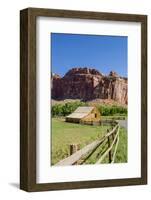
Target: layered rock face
x,y
88,84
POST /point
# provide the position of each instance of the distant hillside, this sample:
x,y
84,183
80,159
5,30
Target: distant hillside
x,y
89,84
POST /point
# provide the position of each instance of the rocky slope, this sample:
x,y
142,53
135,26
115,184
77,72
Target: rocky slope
x,y
89,84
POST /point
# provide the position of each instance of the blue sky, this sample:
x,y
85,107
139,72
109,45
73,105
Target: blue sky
x,y
104,53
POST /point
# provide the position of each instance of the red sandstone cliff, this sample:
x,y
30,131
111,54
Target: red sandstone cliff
x,y
89,84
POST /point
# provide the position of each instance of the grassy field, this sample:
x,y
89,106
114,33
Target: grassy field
x,y
121,155
64,134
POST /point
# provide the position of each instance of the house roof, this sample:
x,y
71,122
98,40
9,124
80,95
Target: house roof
x,y
80,112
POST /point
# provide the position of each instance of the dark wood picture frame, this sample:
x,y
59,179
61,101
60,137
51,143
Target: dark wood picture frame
x,y
28,98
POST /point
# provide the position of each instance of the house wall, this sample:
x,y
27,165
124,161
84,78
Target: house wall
x,y
74,120
91,117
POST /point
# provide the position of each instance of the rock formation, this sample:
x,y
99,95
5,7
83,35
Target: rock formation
x,y
88,84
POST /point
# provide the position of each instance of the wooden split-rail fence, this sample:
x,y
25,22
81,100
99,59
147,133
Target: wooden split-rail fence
x,y
82,155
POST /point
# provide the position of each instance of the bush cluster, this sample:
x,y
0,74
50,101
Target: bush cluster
x,y
65,109
112,110
68,108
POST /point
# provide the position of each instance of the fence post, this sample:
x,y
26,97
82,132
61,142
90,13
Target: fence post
x,y
74,148
110,153
113,133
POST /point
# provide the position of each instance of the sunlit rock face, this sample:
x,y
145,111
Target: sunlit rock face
x,y
88,84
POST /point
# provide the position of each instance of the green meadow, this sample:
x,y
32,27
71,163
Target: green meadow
x,y
64,134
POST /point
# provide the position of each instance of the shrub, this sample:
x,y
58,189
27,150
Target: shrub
x,y
65,109
112,110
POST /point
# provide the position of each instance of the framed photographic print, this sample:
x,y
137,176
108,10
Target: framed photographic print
x,y
83,99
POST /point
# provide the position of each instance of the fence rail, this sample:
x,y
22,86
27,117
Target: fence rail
x,y
83,154
109,149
